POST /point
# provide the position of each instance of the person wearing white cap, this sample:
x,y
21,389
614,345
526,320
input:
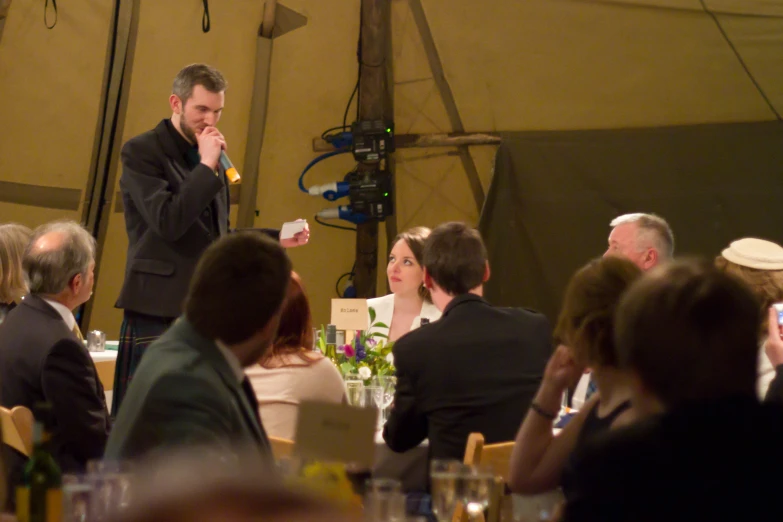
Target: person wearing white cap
x,y
759,263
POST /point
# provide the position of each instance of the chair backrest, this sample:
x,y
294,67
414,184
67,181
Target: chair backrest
x,y
281,448
17,425
497,457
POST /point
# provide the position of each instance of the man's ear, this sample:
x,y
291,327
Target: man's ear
x,y
487,272
651,258
428,282
175,103
76,282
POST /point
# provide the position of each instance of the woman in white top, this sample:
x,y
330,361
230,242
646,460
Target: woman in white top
x,y
291,371
760,264
409,305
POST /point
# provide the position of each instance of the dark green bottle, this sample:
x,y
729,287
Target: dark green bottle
x,y
40,500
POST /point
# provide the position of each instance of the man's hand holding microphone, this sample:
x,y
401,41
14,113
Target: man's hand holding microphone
x,y
211,147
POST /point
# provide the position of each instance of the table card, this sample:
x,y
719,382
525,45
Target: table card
x,y
350,314
336,432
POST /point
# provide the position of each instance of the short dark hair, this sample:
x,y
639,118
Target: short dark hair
x,y
455,257
197,74
416,238
295,332
690,332
586,322
237,287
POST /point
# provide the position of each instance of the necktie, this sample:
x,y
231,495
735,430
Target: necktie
x,y
77,332
251,398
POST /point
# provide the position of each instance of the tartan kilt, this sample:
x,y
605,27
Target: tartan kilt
x,y
136,334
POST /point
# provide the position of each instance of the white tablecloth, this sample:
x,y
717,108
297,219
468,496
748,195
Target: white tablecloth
x,y
103,357
108,355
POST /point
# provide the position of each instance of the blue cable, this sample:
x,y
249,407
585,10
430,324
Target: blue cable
x,y
316,160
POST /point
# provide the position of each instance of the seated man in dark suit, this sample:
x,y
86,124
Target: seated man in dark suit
x,y
709,450
477,368
42,357
190,388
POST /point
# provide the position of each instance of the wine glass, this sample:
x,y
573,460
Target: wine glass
x,y
444,483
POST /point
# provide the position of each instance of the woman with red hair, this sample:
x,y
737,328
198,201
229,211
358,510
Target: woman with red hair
x,y
291,372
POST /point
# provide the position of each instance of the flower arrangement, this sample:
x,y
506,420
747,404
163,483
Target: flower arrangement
x,y
369,355
329,480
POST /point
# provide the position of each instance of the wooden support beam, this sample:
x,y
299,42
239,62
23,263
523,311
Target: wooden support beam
x,y
408,141
268,23
5,5
428,42
375,103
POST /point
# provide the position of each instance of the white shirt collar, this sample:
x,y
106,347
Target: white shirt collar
x,y
232,360
66,314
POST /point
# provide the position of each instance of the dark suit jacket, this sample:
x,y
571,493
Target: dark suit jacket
x,y
476,369
185,393
711,461
172,213
41,360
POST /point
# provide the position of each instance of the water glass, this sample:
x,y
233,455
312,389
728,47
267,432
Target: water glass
x,y
384,501
111,483
96,341
354,391
77,498
476,483
444,485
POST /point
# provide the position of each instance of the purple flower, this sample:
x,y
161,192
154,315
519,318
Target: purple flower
x,y
361,353
371,342
349,351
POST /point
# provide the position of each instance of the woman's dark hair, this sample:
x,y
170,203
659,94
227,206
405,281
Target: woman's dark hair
x,y
415,238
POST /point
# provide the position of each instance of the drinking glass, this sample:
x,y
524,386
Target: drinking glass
x,y
476,484
96,341
384,501
389,385
111,483
354,389
77,498
372,397
444,480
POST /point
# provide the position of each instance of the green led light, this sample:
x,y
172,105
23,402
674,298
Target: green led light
x,y
388,130
385,194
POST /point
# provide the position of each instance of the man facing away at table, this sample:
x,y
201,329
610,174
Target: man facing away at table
x,y
176,199
190,388
477,368
42,357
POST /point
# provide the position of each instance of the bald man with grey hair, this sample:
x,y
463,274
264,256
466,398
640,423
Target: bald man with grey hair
x,y
645,239
42,356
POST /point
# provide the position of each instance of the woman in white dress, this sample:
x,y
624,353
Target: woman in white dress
x,y
409,305
759,263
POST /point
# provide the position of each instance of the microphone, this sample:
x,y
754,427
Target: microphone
x,y
231,171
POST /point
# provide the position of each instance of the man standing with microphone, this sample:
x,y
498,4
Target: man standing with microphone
x,y
174,186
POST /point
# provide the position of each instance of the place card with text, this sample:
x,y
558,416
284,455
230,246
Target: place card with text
x,y
350,314
336,432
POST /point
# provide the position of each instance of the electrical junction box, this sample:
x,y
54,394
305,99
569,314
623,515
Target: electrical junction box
x,y
372,140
